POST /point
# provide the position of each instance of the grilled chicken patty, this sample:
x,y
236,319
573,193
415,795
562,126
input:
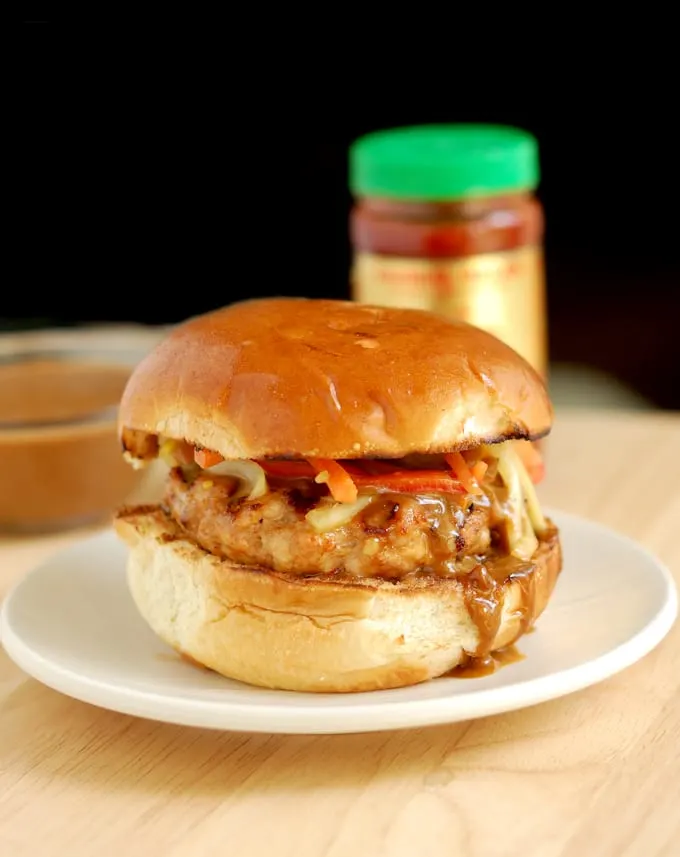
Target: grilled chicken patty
x,y
395,535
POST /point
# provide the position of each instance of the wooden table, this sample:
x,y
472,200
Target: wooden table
x,y
595,773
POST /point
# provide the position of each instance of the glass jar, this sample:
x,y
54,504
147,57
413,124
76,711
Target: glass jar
x,y
445,219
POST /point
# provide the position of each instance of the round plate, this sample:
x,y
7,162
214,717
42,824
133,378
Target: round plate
x,y
72,625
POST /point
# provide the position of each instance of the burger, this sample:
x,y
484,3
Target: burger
x,y
349,502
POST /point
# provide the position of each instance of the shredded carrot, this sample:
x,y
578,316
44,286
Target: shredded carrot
x,y
478,470
463,473
206,458
340,483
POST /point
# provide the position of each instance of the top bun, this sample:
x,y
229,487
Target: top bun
x,y
294,377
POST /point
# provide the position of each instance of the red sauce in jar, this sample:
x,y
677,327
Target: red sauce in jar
x,y
445,218
441,230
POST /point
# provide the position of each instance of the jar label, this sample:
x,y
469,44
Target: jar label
x,y
503,293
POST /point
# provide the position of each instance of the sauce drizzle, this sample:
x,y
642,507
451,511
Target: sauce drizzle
x,y
478,667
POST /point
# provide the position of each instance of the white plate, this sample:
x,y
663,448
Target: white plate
x,y
71,624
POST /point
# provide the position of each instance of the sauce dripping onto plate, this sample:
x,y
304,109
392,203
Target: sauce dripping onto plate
x,y
487,665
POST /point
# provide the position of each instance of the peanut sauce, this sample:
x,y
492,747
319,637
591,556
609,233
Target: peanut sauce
x,y
478,667
445,515
59,454
485,578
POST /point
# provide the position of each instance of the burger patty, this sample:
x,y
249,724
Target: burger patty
x,y
395,535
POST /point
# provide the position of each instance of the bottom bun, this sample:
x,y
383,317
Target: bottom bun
x,y
322,633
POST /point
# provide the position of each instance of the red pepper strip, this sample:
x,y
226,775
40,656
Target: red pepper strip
x,y
385,478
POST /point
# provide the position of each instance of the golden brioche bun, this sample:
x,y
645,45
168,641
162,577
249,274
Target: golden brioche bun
x,y
315,634
332,379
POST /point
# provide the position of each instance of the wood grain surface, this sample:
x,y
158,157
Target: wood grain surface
x,y
595,774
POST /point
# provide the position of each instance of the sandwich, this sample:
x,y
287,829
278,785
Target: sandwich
x,y
349,503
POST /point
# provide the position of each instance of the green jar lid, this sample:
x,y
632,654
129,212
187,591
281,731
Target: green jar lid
x,y
440,162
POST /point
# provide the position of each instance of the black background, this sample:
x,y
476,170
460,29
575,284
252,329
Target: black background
x,y
161,180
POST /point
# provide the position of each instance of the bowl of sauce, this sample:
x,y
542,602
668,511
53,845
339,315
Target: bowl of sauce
x,y
60,458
